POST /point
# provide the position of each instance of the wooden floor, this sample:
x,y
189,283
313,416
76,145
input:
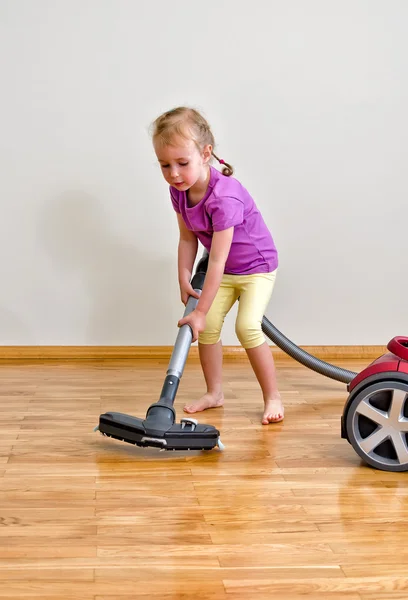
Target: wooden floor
x,y
287,511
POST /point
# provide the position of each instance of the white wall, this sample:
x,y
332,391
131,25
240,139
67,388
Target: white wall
x,y
307,99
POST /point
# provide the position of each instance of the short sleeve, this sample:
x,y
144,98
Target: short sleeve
x,y
225,212
174,200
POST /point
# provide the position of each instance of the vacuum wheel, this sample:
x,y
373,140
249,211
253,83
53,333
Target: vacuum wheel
x,y
377,425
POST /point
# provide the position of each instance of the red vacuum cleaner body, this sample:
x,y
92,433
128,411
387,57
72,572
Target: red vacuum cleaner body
x,y
375,416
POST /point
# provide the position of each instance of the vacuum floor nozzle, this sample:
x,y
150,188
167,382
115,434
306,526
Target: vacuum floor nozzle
x,y
186,435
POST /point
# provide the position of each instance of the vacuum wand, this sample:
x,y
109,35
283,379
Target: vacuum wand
x,y
159,429
183,342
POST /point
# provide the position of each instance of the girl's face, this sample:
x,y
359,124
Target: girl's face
x,y
182,164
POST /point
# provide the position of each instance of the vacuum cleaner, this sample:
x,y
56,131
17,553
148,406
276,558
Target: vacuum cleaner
x,y
374,419
158,429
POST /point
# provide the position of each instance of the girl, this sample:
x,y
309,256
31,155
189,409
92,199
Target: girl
x,y
216,209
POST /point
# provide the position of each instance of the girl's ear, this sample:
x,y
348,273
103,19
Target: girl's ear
x,y
207,152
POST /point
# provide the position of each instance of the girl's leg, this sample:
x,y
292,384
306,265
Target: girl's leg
x,y
211,363
263,365
256,292
210,349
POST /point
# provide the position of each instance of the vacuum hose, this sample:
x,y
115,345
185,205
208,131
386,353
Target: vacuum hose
x,y
304,357
301,356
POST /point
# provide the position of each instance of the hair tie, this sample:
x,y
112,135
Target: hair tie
x,y
221,161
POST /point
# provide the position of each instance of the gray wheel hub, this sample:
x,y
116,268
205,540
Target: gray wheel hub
x,y
377,425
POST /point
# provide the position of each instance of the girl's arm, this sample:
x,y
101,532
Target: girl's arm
x,y
187,251
220,247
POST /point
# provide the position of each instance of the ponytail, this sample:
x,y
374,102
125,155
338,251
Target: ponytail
x,y
227,170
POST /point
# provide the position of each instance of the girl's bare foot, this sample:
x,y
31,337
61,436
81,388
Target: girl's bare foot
x,y
207,401
273,412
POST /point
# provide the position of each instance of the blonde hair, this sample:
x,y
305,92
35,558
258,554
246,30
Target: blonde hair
x,y
189,124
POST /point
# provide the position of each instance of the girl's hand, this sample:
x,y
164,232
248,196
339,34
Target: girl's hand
x,y
196,319
186,291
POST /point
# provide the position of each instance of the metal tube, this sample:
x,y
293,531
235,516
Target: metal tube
x,y
183,342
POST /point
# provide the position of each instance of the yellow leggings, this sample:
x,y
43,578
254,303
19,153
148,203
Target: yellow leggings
x,y
254,292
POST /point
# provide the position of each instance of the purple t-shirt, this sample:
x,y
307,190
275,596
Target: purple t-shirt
x,y
228,204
